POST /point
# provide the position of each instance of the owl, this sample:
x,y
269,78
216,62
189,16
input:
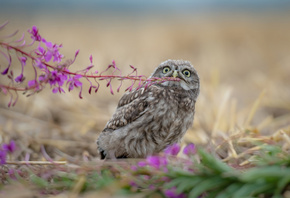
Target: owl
x,y
150,118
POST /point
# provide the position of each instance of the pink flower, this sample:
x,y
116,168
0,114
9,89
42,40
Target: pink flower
x,y
156,161
93,87
133,184
142,164
5,71
91,59
134,168
57,89
57,77
171,193
31,83
2,157
41,52
53,51
172,150
152,187
74,82
34,33
11,147
39,64
19,78
23,60
190,149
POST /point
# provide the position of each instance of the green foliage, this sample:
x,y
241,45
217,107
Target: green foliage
x,y
272,154
214,178
269,176
40,182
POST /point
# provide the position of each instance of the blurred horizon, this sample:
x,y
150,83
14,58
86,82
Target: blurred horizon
x,y
138,8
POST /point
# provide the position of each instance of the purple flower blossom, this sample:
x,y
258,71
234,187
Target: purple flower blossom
x,y
91,59
171,193
133,184
42,77
2,157
152,187
23,60
41,52
57,77
35,84
19,78
142,163
156,161
91,87
190,149
31,83
11,147
172,149
52,51
166,179
34,34
134,168
76,54
39,64
57,89
74,82
5,71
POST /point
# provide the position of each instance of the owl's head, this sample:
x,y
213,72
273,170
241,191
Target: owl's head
x,y
181,69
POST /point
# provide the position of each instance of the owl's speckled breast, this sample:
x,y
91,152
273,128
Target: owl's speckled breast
x,y
165,123
174,121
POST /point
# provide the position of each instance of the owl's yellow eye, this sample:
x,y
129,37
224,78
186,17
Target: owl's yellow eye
x,y
165,70
186,72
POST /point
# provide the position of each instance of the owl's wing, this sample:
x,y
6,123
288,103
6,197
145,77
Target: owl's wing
x,y
131,106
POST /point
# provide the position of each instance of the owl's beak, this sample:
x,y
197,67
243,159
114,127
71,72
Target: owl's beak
x,y
175,74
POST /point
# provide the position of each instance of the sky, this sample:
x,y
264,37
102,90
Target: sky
x,y
128,7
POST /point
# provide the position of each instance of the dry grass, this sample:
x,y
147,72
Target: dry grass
x,y
243,63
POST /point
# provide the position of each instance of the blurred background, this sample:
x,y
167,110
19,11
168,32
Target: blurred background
x,y
239,48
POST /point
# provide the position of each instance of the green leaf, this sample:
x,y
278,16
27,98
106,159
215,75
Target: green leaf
x,y
212,163
269,174
39,181
173,183
251,189
230,190
187,184
174,173
282,184
212,194
208,184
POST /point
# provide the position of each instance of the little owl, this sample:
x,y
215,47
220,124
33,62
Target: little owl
x,y
149,119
